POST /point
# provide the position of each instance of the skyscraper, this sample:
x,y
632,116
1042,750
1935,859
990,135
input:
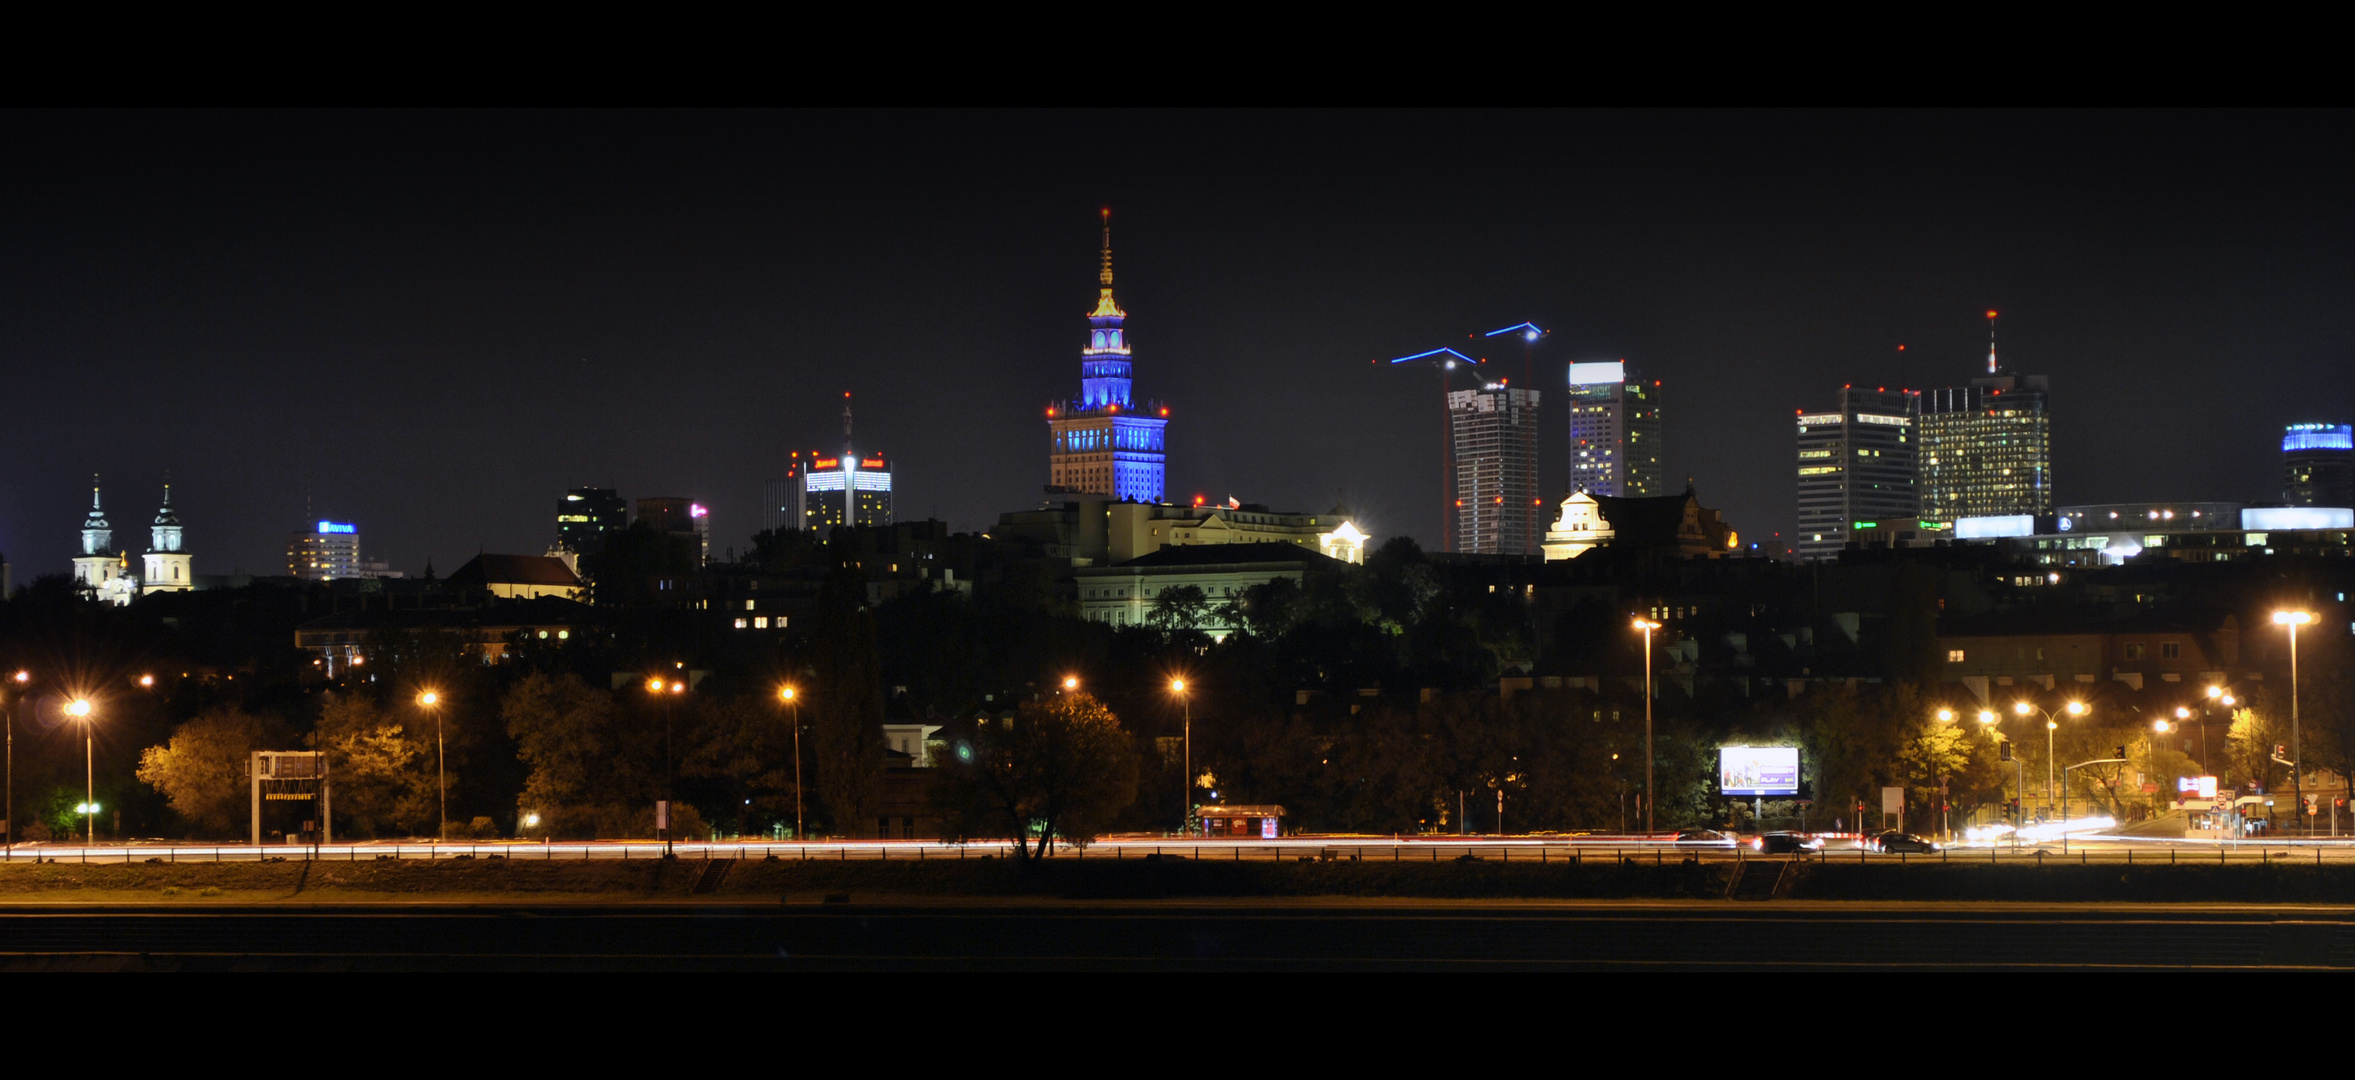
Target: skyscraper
x,y
1614,431
585,515
1855,464
1986,448
2318,461
832,482
1493,433
679,517
328,552
1105,444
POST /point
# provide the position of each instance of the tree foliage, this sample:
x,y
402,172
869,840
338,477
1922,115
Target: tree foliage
x,y
1060,768
202,770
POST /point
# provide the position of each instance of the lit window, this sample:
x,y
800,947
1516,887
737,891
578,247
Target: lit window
x,y
1954,656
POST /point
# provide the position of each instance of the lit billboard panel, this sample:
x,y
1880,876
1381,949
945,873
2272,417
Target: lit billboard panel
x,y
2290,518
1989,528
1758,770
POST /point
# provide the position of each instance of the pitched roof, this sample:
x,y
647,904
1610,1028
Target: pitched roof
x,y
487,569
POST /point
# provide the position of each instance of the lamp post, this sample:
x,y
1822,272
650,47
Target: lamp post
x,y
80,710
22,678
2294,620
1650,796
1186,790
792,700
1945,829
2051,724
430,701
1987,720
666,691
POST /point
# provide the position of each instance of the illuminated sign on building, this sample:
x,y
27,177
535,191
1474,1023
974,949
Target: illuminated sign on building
x,y
1990,528
1758,770
1590,374
337,527
2277,518
2318,437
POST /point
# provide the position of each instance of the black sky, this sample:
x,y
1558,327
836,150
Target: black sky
x,y
432,323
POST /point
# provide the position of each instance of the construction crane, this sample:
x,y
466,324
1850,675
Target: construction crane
x,y
1445,361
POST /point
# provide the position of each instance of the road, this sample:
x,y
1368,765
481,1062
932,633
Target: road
x,y
1261,935
1418,848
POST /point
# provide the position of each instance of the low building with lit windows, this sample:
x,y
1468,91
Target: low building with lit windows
x,y
1128,593
1093,530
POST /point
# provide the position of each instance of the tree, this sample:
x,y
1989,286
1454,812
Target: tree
x,y
845,705
1060,767
589,770
1182,607
202,770
380,782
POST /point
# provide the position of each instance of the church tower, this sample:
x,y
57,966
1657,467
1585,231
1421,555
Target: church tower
x,y
169,567
1104,443
97,567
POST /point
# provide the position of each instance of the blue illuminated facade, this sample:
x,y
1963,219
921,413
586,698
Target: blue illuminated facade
x,y
1106,443
2318,465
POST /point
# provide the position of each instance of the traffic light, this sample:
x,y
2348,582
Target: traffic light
x,y
2003,751
2121,754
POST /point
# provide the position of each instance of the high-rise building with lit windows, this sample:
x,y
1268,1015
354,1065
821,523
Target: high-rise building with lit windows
x,y
1492,433
2318,462
1986,448
1105,443
1614,431
585,515
1856,464
838,489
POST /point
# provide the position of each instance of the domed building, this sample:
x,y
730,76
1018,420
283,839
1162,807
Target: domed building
x,y
168,566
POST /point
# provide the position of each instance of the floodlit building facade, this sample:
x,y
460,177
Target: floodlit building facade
x,y
2318,463
1106,443
1856,464
1493,436
1092,530
1614,421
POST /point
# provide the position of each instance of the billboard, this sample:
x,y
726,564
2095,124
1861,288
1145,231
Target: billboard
x,y
1758,770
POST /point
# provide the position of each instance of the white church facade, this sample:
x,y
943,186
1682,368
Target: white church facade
x,y
103,573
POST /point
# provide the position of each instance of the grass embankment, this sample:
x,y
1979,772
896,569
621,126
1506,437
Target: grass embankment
x,y
503,880
812,881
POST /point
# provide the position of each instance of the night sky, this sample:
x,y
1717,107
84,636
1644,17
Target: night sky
x,y
431,324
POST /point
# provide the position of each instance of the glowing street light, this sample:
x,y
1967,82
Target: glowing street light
x,y
792,699
2051,724
1070,683
1186,790
429,700
2293,620
1650,797
80,709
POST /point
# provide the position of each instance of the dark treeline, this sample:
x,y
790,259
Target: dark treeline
x,y
1362,701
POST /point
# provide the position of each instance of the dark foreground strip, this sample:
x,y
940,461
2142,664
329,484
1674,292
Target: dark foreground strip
x,y
1109,937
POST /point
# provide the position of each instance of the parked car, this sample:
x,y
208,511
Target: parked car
x,y
1703,838
1893,842
1783,843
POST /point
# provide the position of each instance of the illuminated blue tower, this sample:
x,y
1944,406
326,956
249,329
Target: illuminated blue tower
x,y
1105,443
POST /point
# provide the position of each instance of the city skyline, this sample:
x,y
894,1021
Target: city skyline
x,y
423,378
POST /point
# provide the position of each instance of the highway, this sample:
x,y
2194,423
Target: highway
x,y
2095,849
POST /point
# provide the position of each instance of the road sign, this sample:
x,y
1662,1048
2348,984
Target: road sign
x,y
1892,800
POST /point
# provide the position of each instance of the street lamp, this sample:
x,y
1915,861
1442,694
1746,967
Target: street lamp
x,y
2294,620
662,821
1070,683
431,702
2074,708
1186,791
1945,830
1650,796
22,678
792,700
80,710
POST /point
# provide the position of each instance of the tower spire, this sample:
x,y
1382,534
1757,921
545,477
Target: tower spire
x,y
1104,278
1991,368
